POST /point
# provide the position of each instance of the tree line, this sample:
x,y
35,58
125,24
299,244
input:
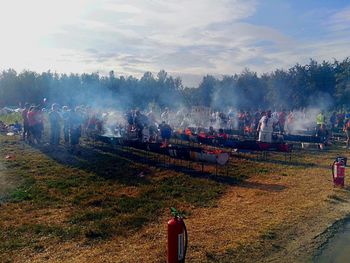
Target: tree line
x,y
325,84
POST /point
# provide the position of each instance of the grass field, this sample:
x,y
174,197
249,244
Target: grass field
x,y
11,118
113,205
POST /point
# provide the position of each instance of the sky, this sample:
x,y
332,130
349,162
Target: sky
x,y
186,38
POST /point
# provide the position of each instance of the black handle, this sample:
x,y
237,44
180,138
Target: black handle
x,y
178,216
186,241
333,168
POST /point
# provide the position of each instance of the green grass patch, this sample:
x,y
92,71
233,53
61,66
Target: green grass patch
x,y
132,212
101,230
196,191
263,170
90,198
65,184
91,215
337,198
13,243
269,235
42,230
11,118
31,191
30,235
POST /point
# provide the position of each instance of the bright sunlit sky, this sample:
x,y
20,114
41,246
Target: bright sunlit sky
x,y
187,38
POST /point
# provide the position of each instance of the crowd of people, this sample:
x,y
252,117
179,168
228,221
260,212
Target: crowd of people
x,y
254,124
152,126
70,121
147,127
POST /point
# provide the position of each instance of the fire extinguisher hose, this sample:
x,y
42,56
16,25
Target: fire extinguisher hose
x,y
333,168
186,241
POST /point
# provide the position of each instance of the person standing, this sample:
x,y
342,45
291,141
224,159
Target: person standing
x,y
340,119
55,125
34,125
40,121
323,134
320,120
221,137
347,133
26,133
265,128
282,120
145,134
333,120
65,118
165,133
241,118
257,117
75,123
141,121
165,115
290,122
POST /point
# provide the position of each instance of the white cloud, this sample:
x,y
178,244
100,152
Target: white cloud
x,y
185,37
340,21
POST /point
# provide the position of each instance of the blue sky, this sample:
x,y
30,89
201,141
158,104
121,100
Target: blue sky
x,y
187,38
298,19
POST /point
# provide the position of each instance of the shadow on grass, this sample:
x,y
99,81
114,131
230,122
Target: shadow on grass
x,y
264,187
102,164
257,157
122,164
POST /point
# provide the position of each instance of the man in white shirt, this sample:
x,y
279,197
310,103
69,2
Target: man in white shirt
x,y
265,128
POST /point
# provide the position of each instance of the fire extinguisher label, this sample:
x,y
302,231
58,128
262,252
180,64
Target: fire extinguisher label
x,y
180,246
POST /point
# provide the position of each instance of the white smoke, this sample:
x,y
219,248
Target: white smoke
x,y
114,123
301,121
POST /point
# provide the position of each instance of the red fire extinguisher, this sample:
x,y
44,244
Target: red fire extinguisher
x,y
177,238
338,171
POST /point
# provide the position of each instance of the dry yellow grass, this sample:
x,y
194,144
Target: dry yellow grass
x,y
271,216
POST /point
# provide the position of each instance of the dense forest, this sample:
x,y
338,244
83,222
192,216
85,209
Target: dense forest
x,y
325,84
